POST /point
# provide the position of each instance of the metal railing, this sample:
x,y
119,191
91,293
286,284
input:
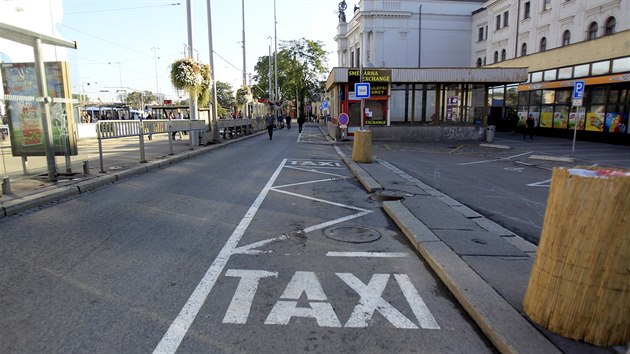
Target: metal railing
x,y
112,129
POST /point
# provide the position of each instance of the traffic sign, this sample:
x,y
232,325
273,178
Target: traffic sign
x,y
578,102
343,119
362,90
578,89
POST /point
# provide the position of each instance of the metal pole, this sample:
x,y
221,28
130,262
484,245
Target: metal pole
x,y
246,113
45,110
362,100
157,86
270,86
193,96
577,116
420,36
275,62
214,124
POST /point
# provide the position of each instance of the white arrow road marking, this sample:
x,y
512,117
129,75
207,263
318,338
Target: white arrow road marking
x,y
546,183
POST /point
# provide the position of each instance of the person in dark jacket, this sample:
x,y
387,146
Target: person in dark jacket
x,y
269,121
300,121
529,127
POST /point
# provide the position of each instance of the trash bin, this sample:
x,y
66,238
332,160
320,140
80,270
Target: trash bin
x,y
490,133
579,286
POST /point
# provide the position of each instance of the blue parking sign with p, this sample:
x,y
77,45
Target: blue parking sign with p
x,y
578,89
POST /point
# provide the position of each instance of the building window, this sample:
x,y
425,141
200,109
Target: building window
x,y
547,5
480,34
543,44
566,38
503,55
526,10
484,61
496,57
592,31
478,62
486,34
524,49
611,23
506,16
498,24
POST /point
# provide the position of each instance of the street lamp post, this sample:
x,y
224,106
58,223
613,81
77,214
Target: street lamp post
x,y
214,124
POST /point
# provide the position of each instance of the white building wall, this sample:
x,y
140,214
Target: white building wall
x,y
551,23
386,33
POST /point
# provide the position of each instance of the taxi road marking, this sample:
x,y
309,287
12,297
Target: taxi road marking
x,y
320,309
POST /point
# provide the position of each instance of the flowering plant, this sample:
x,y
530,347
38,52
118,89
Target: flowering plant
x,y
194,77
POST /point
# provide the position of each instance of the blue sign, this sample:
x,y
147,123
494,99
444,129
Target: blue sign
x,y
578,90
362,90
343,119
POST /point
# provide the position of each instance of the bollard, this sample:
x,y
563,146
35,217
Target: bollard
x,y
6,185
86,167
362,146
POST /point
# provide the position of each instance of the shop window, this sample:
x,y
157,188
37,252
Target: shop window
x,y
511,96
611,24
613,96
561,117
565,73
600,68
524,49
430,102
397,103
563,96
535,98
550,75
523,98
548,96
497,96
566,38
581,70
503,54
545,119
621,65
543,44
418,103
597,95
592,31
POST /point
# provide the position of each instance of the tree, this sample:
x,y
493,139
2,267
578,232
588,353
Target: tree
x,y
225,98
138,100
302,65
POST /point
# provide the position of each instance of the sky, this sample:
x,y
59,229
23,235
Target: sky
x,y
131,43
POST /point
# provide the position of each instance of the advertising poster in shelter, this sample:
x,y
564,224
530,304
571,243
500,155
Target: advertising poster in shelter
x,y
616,123
25,113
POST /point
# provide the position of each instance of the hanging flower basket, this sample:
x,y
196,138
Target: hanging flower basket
x,y
193,77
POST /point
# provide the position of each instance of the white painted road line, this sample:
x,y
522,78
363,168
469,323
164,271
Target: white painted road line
x,y
494,160
368,254
178,329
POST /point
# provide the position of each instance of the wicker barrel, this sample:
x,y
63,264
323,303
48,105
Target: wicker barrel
x,y
362,146
580,282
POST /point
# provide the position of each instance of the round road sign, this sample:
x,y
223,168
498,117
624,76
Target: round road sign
x,y
343,119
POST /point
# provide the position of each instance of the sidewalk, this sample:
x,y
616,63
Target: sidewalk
x,y
121,159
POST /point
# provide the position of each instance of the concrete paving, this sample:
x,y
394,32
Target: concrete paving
x,y
485,266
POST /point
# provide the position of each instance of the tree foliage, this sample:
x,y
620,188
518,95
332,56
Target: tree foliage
x,y
138,100
302,65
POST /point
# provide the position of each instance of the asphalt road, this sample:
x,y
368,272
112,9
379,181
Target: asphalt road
x,y
262,246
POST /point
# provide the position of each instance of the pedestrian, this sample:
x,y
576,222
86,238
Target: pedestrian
x,y
288,120
514,119
150,126
300,121
529,127
269,121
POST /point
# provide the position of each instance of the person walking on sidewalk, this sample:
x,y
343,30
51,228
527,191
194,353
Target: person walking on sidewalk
x,y
269,121
300,121
529,127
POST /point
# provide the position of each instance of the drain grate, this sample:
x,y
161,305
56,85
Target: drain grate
x,y
387,195
352,234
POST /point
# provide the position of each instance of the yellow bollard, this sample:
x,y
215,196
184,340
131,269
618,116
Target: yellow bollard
x,y
362,146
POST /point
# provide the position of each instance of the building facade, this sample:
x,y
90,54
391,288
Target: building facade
x,y
560,42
